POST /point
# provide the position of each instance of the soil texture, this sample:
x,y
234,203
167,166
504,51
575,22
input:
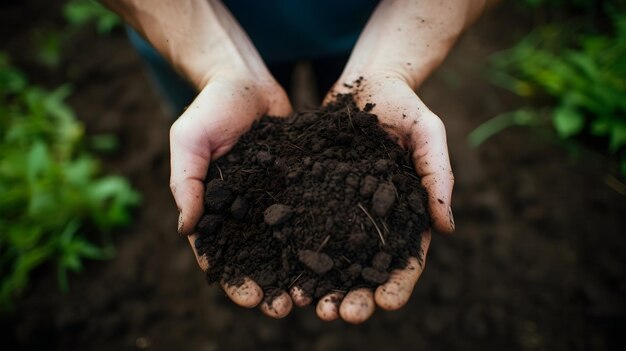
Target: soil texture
x,y
324,200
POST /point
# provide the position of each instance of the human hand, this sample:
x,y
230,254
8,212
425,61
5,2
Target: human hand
x,y
223,111
416,128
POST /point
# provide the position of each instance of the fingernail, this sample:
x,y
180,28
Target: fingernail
x,y
451,216
180,223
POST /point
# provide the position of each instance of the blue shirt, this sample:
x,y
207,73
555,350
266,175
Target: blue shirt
x,y
288,30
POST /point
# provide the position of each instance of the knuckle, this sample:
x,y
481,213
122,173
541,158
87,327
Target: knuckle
x,y
435,124
178,129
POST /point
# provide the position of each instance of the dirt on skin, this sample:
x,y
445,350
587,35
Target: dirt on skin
x,y
324,200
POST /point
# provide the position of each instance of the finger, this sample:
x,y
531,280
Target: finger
x,y
432,164
328,307
330,97
279,105
299,297
357,306
279,307
203,262
396,292
189,160
249,294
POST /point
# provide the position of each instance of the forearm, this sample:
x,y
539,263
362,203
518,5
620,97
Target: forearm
x,y
410,38
198,37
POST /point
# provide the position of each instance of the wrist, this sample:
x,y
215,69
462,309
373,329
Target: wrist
x,y
413,68
198,38
409,39
217,49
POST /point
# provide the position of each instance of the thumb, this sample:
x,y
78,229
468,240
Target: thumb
x,y
189,162
432,163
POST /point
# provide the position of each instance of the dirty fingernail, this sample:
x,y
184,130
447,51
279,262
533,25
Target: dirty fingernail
x,y
451,216
180,223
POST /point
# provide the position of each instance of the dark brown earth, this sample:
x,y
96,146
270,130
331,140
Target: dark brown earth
x,y
537,261
324,200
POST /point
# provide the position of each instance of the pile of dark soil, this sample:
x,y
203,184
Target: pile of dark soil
x,y
324,200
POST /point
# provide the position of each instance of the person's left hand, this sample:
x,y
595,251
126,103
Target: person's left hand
x,y
406,118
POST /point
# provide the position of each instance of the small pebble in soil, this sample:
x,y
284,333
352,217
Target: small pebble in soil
x,y
217,195
277,214
374,276
383,199
239,208
319,263
209,224
381,261
369,186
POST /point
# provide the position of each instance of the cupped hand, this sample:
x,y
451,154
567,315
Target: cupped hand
x,y
223,110
415,127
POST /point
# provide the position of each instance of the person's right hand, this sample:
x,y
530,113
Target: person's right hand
x,y
225,109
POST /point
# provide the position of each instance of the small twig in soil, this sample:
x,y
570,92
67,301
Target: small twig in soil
x,y
324,242
338,291
297,147
272,196
220,170
397,194
345,258
385,226
249,171
411,175
349,117
295,280
382,238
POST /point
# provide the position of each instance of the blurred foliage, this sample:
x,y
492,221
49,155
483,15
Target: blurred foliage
x,y
78,15
586,4
53,204
575,76
48,42
81,12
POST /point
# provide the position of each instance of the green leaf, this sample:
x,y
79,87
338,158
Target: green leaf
x,y
67,235
600,126
48,46
71,261
91,251
38,161
568,121
82,12
24,236
617,136
104,143
11,80
499,123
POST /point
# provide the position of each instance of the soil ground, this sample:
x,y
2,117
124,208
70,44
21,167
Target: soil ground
x,y
537,262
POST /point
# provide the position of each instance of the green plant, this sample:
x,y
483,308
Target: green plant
x,y
49,41
577,79
81,12
54,206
